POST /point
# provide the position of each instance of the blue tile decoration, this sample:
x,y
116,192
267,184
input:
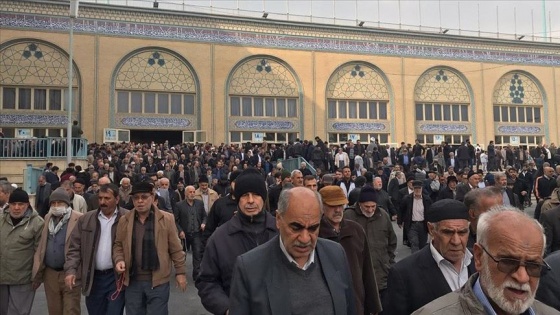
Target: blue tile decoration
x,y
519,130
238,37
444,128
156,122
33,120
264,124
348,126
516,90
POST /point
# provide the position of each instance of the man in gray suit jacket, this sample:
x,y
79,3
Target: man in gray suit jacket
x,y
296,273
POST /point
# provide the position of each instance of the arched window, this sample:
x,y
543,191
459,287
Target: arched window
x,y
155,89
357,104
34,89
442,107
264,101
518,110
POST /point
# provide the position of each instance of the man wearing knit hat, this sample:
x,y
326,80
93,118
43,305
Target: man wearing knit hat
x,y
51,253
20,232
251,226
379,231
411,216
355,243
443,266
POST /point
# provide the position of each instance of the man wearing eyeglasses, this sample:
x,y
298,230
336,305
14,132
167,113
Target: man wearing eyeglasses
x,y
437,269
508,256
146,245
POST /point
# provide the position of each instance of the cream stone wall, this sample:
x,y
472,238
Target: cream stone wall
x,y
98,54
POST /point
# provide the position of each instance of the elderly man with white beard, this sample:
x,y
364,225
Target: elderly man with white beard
x,y
508,256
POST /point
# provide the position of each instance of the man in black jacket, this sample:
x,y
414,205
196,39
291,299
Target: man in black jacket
x,y
412,210
191,222
250,227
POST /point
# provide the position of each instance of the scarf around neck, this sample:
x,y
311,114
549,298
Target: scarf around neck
x,y
53,229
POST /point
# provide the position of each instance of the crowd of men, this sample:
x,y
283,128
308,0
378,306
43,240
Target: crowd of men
x,y
262,237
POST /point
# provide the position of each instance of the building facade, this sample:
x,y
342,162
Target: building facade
x,y
190,76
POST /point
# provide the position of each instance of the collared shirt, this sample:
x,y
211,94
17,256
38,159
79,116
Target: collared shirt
x,y
455,279
505,198
310,261
205,200
477,289
105,245
417,209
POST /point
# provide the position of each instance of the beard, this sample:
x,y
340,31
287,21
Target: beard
x,y
496,293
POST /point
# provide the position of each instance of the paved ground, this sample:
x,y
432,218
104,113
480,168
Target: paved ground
x,y
188,303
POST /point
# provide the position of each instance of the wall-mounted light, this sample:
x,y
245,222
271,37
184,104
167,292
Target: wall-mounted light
x,y
361,23
445,31
521,37
265,15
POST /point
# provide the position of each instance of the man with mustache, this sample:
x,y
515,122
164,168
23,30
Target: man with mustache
x,y
353,239
297,272
89,254
437,269
508,256
250,227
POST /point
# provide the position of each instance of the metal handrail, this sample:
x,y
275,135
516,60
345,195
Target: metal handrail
x,y
32,148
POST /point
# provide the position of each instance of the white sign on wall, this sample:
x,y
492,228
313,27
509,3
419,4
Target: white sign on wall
x,y
258,137
23,133
514,140
109,135
438,139
353,137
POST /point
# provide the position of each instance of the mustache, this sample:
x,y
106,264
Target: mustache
x,y
302,245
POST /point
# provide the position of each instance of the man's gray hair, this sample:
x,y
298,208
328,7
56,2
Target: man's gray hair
x,y
284,200
294,172
487,219
475,196
6,187
499,175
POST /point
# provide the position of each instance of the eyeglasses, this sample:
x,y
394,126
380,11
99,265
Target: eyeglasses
x,y
510,265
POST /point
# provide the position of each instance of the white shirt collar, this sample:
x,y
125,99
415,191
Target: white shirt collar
x,y
310,261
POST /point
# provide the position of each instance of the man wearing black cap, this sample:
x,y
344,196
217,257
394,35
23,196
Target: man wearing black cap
x,y
20,232
442,267
205,193
449,191
379,231
145,264
412,210
251,226
472,183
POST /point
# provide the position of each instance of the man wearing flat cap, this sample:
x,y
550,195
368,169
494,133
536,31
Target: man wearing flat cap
x,y
411,216
353,239
250,227
449,191
146,245
379,232
472,183
442,267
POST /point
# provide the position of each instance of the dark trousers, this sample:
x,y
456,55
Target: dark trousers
x,y
142,299
195,241
417,236
99,300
